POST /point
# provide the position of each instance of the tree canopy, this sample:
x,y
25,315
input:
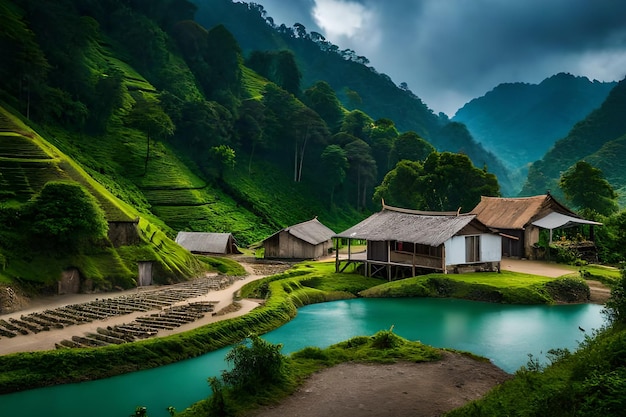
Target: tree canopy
x,y
587,189
443,182
66,214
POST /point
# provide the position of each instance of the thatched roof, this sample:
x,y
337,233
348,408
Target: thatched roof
x,y
312,232
426,228
206,242
517,213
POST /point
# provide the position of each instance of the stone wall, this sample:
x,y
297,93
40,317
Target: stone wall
x,y
124,233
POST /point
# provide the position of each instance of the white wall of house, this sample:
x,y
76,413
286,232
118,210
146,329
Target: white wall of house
x,y
455,250
490,249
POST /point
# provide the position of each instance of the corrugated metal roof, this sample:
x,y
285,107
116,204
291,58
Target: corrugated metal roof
x,y
517,213
409,226
204,242
312,231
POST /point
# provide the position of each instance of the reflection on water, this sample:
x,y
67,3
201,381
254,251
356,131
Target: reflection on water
x,y
505,334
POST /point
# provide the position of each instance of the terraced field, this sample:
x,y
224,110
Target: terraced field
x,y
28,163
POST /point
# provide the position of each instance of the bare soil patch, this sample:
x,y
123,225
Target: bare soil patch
x,y
399,390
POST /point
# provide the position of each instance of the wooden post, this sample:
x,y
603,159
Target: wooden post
x,y
336,255
389,261
443,259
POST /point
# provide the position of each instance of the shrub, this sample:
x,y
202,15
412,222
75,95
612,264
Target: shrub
x,y
616,305
65,214
254,365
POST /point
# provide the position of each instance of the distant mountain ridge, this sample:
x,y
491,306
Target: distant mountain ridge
x,y
599,139
520,122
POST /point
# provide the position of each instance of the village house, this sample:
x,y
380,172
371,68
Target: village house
x,y
306,240
402,243
207,243
519,221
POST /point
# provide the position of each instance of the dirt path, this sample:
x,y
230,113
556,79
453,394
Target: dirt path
x,y
599,293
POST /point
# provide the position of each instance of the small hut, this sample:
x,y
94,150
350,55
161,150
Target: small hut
x,y
307,240
519,220
207,243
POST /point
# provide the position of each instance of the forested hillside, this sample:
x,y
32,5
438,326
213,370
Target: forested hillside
x,y
520,122
357,85
598,139
174,121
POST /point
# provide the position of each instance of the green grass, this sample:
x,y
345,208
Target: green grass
x,y
589,382
606,274
504,287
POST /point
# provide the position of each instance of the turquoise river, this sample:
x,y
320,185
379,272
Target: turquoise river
x,y
506,334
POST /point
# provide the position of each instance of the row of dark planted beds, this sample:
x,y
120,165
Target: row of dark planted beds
x,y
168,300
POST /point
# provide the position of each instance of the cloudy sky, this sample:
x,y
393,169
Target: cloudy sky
x,y
450,51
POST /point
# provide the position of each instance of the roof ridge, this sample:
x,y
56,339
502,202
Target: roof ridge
x,y
424,213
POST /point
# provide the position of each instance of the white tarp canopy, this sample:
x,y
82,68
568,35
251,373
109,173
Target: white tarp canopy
x,y
555,220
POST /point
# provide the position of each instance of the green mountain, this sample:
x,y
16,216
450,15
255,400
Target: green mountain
x,y
358,85
597,139
520,122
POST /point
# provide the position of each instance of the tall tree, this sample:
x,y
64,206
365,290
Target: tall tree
x,y
335,163
383,134
587,189
358,124
399,187
322,98
148,116
308,128
362,169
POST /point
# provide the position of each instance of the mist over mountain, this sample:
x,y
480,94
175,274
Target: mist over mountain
x,y
520,122
597,139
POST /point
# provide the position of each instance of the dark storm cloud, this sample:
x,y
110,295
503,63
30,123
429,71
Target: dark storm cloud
x,y
449,51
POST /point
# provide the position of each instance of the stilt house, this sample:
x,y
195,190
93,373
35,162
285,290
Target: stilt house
x,y
402,243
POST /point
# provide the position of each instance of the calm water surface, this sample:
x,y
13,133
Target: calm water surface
x,y
505,334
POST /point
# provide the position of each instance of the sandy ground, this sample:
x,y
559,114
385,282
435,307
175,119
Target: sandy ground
x,y
399,390
347,390
46,340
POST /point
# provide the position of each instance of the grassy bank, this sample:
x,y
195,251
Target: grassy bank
x,y
589,382
505,287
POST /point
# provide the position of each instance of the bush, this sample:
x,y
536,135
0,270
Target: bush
x,y
616,304
254,365
64,214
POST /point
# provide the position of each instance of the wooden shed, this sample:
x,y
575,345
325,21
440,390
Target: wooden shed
x,y
519,220
307,240
207,243
402,242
